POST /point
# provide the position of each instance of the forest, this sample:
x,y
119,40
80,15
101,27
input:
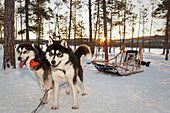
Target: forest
x,y
98,23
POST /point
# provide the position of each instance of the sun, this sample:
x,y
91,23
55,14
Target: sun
x,y
102,38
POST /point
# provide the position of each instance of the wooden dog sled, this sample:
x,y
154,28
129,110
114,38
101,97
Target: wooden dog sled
x,y
124,63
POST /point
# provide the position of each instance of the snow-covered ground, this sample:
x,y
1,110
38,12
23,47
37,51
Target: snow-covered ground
x,y
146,92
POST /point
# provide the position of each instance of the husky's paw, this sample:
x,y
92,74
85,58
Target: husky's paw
x,y
68,92
45,103
75,107
54,107
83,94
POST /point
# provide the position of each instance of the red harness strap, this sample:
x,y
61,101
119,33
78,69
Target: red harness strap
x,y
33,64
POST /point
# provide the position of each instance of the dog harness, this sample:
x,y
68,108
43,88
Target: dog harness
x,y
33,64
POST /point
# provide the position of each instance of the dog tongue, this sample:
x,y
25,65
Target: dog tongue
x,y
21,64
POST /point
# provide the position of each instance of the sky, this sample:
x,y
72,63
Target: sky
x,y
157,24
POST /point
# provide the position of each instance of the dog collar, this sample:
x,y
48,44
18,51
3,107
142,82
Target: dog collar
x,y
61,70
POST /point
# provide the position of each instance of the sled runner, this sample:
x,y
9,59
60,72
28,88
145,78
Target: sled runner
x,y
129,62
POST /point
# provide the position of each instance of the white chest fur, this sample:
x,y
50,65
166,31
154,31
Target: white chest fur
x,y
61,76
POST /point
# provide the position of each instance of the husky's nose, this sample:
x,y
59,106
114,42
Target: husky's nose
x,y
53,62
19,58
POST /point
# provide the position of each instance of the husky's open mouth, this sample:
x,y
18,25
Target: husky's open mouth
x,y
21,64
56,65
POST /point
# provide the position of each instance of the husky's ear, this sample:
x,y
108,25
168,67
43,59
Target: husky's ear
x,y
33,45
64,44
50,41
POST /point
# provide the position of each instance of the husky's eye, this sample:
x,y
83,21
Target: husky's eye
x,y
60,54
25,52
18,51
51,54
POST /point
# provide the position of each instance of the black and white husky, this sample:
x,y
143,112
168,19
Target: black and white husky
x,y
66,66
32,56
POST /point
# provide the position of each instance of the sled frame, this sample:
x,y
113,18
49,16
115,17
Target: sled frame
x,y
123,63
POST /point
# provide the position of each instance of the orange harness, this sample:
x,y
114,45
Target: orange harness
x,y
33,64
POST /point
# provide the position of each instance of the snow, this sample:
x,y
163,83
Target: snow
x,y
146,92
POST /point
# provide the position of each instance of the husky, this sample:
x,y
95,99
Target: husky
x,y
33,58
66,66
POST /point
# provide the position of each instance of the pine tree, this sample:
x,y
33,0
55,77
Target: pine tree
x,y
153,5
90,27
64,22
77,5
1,21
144,15
132,22
27,19
105,30
96,17
9,30
40,13
163,12
70,20
119,6
20,11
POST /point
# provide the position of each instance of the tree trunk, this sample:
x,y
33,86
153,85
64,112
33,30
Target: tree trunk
x,y
9,31
132,35
90,28
16,27
39,24
21,27
167,33
69,33
90,22
75,29
21,21
97,23
55,26
58,25
27,21
119,27
139,27
151,28
110,32
1,34
163,53
124,23
143,33
105,30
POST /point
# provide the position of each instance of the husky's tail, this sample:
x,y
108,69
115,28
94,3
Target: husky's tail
x,y
83,50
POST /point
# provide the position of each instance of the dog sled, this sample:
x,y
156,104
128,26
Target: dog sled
x,y
124,63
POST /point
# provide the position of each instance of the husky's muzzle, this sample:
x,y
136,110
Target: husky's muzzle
x,y
22,62
53,63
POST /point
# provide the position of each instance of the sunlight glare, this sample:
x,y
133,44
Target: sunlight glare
x,y
102,38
